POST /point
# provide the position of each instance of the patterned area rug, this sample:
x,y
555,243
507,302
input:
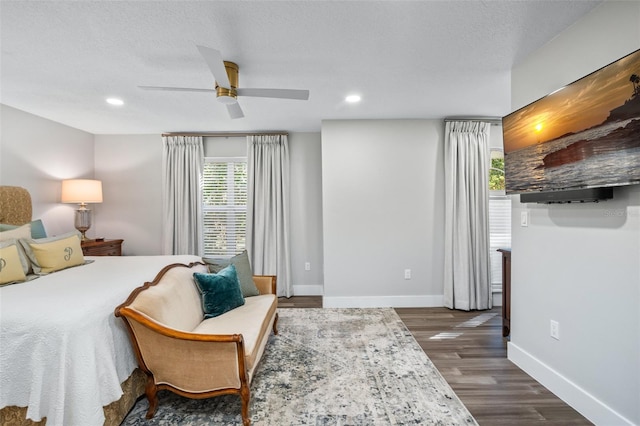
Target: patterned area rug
x,y
329,367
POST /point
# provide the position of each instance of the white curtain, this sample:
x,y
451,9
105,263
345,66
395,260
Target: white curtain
x,y
467,283
182,164
268,209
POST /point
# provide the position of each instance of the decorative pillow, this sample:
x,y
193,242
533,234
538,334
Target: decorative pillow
x,y
24,260
243,268
53,254
11,267
220,292
37,229
16,233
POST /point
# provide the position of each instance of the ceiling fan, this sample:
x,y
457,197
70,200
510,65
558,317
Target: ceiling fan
x,y
225,74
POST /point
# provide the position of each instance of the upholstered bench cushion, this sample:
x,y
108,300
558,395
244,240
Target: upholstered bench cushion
x,y
244,320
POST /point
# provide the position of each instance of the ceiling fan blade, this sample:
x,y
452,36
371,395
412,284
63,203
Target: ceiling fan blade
x,y
235,111
175,89
302,95
214,60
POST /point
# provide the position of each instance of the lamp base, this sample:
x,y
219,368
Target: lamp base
x,y
83,221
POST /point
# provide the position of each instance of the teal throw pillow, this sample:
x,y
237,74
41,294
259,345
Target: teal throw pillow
x,y
243,268
37,229
220,292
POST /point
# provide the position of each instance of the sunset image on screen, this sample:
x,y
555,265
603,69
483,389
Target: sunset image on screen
x,y
574,108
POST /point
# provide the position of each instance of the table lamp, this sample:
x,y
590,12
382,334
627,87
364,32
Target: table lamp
x,y
82,191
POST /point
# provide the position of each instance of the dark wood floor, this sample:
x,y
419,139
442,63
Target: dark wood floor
x,y
470,353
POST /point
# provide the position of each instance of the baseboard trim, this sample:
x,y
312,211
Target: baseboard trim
x,y
308,290
581,400
497,299
377,301
383,301
496,294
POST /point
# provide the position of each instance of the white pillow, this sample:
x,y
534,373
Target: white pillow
x,y
16,234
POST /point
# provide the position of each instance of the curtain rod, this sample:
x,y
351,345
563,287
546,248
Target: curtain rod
x,y
225,134
495,121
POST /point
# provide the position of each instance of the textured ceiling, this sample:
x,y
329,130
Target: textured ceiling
x,y
414,59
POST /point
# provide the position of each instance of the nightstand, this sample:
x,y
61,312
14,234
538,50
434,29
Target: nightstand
x,y
102,248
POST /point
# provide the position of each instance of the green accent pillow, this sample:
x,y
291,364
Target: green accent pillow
x,y
220,292
243,268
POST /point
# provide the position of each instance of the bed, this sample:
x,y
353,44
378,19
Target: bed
x,y
63,353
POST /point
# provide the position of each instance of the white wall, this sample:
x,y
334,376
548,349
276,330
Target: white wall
x,y
38,154
305,156
580,264
225,147
383,210
130,167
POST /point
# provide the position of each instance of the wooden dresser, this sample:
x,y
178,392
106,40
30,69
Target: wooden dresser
x,y
102,247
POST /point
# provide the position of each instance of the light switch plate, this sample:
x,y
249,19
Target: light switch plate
x,y
524,218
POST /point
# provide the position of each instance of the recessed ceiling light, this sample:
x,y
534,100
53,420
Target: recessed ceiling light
x,y
115,101
352,99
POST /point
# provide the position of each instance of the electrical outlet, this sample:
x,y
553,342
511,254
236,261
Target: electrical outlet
x,y
555,329
307,266
524,218
407,274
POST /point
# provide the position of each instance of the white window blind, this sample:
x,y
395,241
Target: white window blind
x,y
224,194
499,234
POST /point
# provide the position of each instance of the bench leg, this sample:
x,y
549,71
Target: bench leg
x,y
152,397
245,396
275,325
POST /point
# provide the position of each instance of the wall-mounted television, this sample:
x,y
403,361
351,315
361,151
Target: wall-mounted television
x,y
583,136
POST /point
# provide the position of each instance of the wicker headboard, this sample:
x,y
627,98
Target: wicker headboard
x,y
15,205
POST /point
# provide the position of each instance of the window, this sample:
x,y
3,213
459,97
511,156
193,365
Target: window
x,y
499,217
224,194
496,172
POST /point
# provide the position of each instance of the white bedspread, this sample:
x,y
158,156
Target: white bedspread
x,y
63,353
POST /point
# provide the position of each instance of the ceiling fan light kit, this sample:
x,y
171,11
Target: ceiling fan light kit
x,y
226,77
226,96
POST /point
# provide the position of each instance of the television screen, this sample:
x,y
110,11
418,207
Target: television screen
x,y
586,135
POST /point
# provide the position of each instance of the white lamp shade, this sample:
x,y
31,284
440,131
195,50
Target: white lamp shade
x,y
81,191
